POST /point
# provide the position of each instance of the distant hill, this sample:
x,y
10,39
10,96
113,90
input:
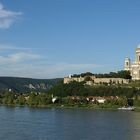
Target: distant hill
x,y
17,84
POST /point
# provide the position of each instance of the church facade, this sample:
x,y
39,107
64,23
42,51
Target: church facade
x,y
134,67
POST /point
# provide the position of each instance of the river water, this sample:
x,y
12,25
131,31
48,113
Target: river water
x,y
23,123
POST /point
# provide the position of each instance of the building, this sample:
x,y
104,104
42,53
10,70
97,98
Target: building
x,y
77,79
134,67
95,80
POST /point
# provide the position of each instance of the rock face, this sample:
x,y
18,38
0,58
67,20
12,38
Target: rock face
x,y
26,84
42,86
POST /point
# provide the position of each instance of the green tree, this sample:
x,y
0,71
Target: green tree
x,y
9,98
21,100
33,100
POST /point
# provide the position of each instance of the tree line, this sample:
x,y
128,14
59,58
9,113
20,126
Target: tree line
x,y
79,89
120,74
65,92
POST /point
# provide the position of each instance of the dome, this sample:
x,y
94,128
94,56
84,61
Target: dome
x,y
138,47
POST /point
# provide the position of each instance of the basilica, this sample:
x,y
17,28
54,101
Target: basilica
x,y
134,67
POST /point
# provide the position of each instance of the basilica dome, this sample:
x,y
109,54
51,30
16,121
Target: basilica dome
x,y
138,47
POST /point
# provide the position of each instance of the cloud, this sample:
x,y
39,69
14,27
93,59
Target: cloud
x,y
18,57
7,17
53,71
5,47
27,62
45,70
11,54
67,67
64,69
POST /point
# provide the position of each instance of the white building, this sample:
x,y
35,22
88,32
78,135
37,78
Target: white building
x,y
134,67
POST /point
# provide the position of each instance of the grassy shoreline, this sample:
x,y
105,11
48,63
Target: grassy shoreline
x,y
62,106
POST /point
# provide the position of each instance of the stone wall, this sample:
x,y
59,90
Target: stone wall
x,y
77,79
111,80
97,80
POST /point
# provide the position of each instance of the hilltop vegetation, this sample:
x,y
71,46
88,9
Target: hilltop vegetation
x,y
120,74
135,84
79,89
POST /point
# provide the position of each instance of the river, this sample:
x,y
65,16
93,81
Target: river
x,y
23,123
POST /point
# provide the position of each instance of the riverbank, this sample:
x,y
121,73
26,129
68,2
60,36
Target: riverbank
x,y
72,106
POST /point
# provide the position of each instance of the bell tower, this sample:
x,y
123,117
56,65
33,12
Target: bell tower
x,y
137,57
127,65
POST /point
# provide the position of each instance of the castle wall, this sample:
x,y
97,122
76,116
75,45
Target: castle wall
x,y
77,79
111,80
97,80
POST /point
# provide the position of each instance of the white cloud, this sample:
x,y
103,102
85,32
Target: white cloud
x,y
7,17
11,54
18,57
23,56
24,62
63,69
5,47
44,70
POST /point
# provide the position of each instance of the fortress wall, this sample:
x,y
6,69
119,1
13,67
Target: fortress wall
x,y
111,80
97,80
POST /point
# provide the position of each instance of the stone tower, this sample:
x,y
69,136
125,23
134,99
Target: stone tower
x,y
127,65
137,55
135,72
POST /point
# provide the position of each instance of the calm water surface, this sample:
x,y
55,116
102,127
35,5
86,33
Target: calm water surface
x,y
68,124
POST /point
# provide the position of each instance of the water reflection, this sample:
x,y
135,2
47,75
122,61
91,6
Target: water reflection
x,y
135,126
68,124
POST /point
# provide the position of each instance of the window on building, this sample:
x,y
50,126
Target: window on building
x,y
127,63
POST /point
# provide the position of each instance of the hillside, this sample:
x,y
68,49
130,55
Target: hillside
x,y
17,84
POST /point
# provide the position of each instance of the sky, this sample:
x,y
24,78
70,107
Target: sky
x,y
54,38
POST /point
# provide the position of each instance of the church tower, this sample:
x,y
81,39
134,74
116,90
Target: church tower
x,y
137,57
127,65
134,67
